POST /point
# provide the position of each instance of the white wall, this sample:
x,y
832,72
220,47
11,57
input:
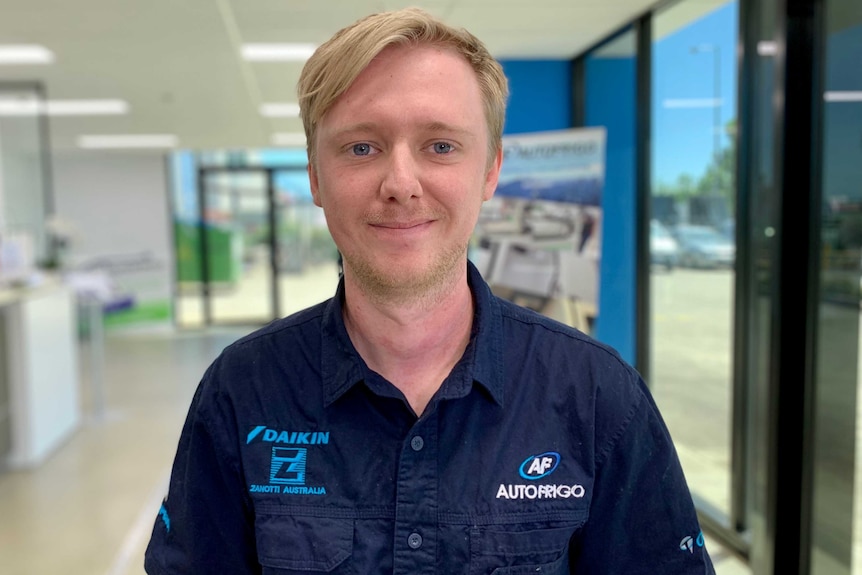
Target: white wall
x,y
117,205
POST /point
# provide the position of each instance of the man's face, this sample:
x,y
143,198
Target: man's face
x,y
402,169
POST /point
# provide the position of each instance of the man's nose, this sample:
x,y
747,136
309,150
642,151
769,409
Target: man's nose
x,y
401,180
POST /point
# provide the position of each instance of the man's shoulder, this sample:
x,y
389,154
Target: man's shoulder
x,y
251,364
294,325
520,321
569,359
282,340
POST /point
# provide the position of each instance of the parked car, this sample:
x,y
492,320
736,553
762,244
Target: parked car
x,y
664,250
703,247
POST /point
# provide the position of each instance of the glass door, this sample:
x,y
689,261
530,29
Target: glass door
x,y
837,482
227,273
251,245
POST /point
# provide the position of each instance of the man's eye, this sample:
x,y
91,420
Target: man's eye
x,y
442,148
361,149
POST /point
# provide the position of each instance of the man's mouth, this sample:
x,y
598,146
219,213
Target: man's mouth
x,y
401,225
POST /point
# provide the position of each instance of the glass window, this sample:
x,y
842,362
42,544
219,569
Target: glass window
x,y
23,193
837,533
693,273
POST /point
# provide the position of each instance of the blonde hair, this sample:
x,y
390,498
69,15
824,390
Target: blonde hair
x,y
335,65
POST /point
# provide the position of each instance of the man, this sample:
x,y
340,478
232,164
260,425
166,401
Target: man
x,y
415,423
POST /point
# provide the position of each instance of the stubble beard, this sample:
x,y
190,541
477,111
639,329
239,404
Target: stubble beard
x,y
385,285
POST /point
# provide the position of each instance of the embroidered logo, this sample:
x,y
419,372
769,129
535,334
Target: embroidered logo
x,y
288,466
537,467
688,542
269,435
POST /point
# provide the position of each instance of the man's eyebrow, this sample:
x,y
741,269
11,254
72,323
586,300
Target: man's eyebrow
x,y
353,129
448,128
434,127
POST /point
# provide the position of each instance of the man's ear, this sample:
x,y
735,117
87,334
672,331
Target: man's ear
x,y
493,175
312,180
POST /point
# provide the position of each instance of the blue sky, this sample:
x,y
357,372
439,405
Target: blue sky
x,y
683,85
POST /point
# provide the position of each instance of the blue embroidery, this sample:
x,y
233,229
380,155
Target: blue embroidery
x,y
163,513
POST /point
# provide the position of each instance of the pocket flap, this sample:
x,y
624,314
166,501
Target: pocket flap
x,y
303,543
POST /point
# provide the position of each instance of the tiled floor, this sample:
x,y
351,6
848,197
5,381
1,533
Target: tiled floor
x,y
89,509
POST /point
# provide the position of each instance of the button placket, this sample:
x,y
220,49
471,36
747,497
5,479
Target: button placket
x,y
417,500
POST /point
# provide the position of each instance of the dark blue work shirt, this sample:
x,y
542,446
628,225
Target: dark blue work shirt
x,y
541,452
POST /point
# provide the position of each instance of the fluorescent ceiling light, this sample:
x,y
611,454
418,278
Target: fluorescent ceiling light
x,y
280,110
86,107
767,48
31,107
25,54
277,52
692,103
128,141
289,139
842,96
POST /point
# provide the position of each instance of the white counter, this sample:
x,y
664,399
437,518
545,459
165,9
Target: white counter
x,y
41,370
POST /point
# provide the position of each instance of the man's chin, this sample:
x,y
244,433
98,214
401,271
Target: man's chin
x,y
398,281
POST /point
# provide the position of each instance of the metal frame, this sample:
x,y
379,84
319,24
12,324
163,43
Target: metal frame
x,y
741,429
579,92
171,208
788,528
643,144
272,217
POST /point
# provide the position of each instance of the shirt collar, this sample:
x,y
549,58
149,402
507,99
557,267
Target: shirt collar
x,y
342,367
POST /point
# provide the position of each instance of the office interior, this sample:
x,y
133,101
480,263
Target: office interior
x,y
127,263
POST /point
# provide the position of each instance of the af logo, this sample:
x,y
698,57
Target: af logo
x,y
538,466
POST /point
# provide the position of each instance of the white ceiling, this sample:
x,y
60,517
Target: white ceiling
x,y
178,65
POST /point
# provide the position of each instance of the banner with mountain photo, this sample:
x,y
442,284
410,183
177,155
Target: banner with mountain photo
x,y
538,240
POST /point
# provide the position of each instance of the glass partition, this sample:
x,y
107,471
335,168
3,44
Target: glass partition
x,y
836,529
24,197
692,243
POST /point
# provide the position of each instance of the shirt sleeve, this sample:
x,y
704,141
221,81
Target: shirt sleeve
x,y
205,524
642,517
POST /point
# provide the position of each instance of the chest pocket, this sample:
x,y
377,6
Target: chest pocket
x,y
292,545
498,552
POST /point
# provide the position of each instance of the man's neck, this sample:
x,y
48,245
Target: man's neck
x,y
414,344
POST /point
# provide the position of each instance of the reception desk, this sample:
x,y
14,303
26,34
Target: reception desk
x,y
39,372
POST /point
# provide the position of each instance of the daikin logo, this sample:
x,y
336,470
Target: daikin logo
x,y
270,435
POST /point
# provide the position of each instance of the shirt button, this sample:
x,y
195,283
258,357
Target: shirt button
x,y
414,540
417,443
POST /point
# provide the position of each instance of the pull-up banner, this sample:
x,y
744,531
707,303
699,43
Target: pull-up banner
x,y
538,240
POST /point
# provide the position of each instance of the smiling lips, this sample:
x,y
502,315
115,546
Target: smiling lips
x,y
400,225
396,220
